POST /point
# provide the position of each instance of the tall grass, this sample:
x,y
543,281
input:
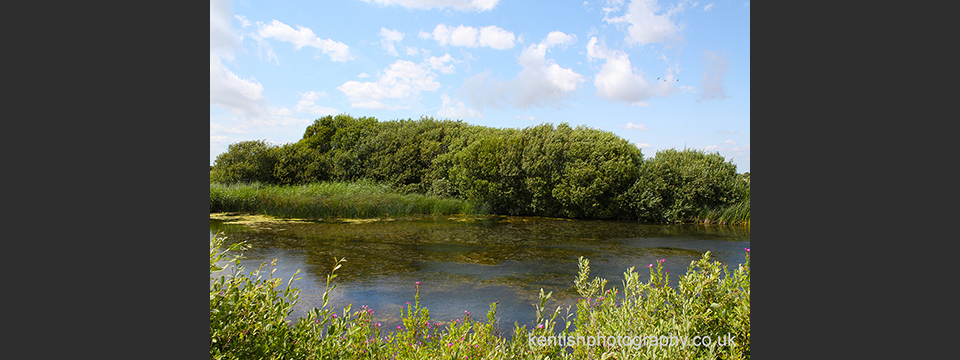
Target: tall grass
x,y
736,214
363,199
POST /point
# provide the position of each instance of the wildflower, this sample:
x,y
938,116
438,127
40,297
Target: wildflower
x,y
399,328
467,312
649,265
539,326
662,260
378,324
334,316
449,344
747,249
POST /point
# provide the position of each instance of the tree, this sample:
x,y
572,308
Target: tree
x,y
675,185
246,161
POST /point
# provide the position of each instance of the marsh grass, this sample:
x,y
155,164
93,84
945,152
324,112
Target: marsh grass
x,y
323,200
248,319
736,214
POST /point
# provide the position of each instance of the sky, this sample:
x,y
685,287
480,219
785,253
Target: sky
x,y
661,74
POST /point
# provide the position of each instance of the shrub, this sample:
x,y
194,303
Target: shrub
x,y
676,185
246,161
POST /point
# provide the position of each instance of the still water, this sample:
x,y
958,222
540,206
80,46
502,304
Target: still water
x,y
466,263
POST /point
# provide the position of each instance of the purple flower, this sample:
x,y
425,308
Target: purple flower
x,y
334,316
378,324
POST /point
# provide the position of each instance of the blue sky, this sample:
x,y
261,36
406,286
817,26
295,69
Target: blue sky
x,y
661,74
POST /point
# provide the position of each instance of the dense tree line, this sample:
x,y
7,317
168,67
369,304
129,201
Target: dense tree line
x,y
543,170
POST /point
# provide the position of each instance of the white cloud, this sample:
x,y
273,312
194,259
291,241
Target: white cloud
x,y
224,39
715,64
530,118
303,36
308,105
363,75
456,109
708,7
230,92
643,145
402,80
220,129
540,82
645,25
632,126
461,5
729,142
243,20
468,36
387,38
440,63
617,80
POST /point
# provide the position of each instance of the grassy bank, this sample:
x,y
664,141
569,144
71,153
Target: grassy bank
x,y
331,200
642,320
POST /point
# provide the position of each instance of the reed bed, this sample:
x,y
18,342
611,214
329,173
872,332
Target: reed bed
x,y
363,199
736,214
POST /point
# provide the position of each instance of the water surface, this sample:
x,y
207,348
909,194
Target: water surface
x,y
466,263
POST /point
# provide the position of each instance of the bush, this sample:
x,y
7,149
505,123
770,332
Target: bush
x,y
246,161
676,185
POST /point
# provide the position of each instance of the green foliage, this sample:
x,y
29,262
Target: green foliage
x,y
676,185
246,161
539,170
249,320
598,167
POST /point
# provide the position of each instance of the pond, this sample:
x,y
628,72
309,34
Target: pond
x,y
464,263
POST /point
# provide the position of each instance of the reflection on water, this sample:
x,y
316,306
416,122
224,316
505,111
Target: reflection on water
x,y
466,263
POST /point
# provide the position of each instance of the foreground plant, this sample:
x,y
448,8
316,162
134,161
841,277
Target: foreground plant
x,y
648,320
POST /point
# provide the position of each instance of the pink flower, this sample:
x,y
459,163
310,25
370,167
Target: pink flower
x,y
747,249
649,265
